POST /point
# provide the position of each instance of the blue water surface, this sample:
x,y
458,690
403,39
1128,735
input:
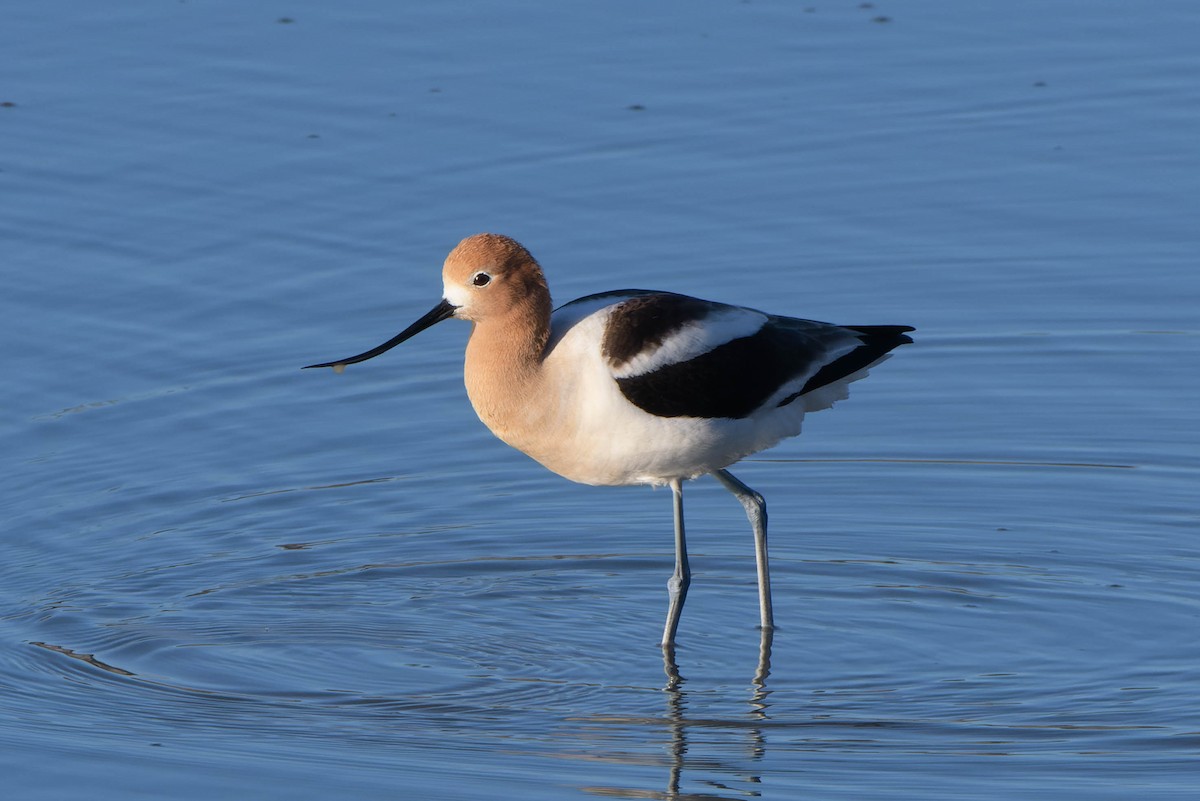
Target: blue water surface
x,y
223,576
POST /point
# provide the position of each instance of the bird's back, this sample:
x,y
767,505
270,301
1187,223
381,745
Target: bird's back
x,y
663,385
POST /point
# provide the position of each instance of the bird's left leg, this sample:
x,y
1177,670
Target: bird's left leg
x,y
756,510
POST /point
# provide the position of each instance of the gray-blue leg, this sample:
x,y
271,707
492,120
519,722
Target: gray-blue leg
x,y
677,586
756,510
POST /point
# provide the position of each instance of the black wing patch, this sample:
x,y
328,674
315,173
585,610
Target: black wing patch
x,y
644,322
877,340
731,380
735,379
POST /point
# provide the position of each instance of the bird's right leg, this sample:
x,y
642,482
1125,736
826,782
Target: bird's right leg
x,y
677,586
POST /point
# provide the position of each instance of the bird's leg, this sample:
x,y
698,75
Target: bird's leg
x,y
756,510
677,585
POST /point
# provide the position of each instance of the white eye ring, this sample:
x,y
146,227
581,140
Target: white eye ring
x,y
481,279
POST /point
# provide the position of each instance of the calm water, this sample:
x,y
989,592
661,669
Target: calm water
x,y
223,575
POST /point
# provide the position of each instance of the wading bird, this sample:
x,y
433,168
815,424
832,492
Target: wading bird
x,y
640,387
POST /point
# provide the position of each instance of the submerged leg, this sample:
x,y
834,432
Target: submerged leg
x,y
756,510
677,586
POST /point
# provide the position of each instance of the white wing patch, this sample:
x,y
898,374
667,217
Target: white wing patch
x,y
694,338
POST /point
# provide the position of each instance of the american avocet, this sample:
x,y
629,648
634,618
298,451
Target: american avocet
x,y
640,387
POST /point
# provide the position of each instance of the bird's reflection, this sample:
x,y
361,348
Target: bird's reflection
x,y
758,698
767,636
679,723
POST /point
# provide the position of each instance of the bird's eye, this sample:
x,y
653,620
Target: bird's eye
x,y
481,279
